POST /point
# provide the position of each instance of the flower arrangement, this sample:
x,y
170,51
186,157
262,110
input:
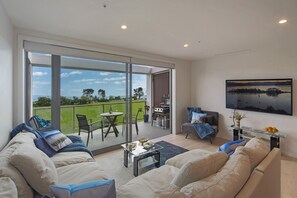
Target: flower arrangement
x,y
237,117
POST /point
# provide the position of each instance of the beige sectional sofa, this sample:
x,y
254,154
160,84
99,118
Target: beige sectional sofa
x,y
69,168
252,171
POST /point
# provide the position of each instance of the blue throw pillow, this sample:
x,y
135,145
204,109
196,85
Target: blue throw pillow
x,y
196,117
93,189
230,147
41,144
55,139
190,110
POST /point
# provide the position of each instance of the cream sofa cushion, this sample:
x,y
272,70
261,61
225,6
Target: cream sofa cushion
x,y
36,167
7,188
154,183
67,158
7,170
224,184
22,137
179,160
80,173
257,150
199,168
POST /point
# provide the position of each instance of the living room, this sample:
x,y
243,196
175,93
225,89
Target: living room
x,y
227,40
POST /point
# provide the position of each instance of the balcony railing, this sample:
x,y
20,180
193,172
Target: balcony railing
x,y
92,111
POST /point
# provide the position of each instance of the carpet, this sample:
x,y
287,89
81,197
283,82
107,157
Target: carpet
x,y
169,150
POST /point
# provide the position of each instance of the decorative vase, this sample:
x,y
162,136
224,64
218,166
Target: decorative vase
x,y
238,124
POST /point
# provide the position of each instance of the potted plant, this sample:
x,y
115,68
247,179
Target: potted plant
x,y
237,117
146,110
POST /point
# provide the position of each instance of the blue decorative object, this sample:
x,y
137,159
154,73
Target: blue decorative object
x,y
192,109
230,147
93,189
55,139
41,144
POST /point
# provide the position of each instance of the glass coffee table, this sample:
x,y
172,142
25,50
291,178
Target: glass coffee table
x,y
140,152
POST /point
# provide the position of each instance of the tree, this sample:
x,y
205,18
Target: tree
x,y
43,101
84,100
111,98
138,92
88,92
66,101
101,93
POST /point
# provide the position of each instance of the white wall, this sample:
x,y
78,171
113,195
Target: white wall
x,y
6,57
208,88
181,91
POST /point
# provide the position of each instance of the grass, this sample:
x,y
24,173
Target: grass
x,y
92,111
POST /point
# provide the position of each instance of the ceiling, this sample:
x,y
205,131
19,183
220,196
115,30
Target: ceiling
x,y
210,27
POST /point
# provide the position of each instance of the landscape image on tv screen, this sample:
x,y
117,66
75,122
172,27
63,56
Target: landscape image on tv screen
x,y
267,95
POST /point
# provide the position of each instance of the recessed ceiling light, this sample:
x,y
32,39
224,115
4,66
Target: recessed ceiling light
x,y
124,27
282,21
186,45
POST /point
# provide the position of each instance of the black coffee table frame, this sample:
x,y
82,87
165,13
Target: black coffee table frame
x,y
155,154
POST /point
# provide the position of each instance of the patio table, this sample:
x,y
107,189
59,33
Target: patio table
x,y
112,117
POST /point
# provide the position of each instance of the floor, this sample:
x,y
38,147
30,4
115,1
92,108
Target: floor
x,y
145,130
113,161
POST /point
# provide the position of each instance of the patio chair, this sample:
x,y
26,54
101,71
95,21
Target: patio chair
x,y
39,123
86,127
134,121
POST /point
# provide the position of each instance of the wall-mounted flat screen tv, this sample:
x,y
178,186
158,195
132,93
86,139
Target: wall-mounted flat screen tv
x,y
262,95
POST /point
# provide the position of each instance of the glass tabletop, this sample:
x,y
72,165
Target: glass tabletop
x,y
277,134
140,149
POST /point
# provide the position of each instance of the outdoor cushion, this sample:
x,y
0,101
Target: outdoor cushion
x,y
257,150
199,168
92,189
36,167
7,188
55,139
179,160
226,183
68,158
7,170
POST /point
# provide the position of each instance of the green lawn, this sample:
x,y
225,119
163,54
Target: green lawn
x,y
92,111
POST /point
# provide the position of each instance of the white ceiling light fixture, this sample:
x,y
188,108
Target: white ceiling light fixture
x,y
282,21
124,27
186,45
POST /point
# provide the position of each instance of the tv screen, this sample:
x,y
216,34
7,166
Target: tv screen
x,y
262,95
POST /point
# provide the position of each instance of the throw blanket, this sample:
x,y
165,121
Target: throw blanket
x,y
203,129
77,143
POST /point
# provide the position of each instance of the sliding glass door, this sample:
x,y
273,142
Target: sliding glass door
x,y
62,88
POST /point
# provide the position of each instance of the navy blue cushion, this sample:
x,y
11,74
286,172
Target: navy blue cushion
x,y
230,147
41,144
190,110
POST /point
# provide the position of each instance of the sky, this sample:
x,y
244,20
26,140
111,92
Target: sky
x,y
73,81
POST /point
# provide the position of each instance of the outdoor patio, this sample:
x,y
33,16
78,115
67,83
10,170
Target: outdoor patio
x,y
145,130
